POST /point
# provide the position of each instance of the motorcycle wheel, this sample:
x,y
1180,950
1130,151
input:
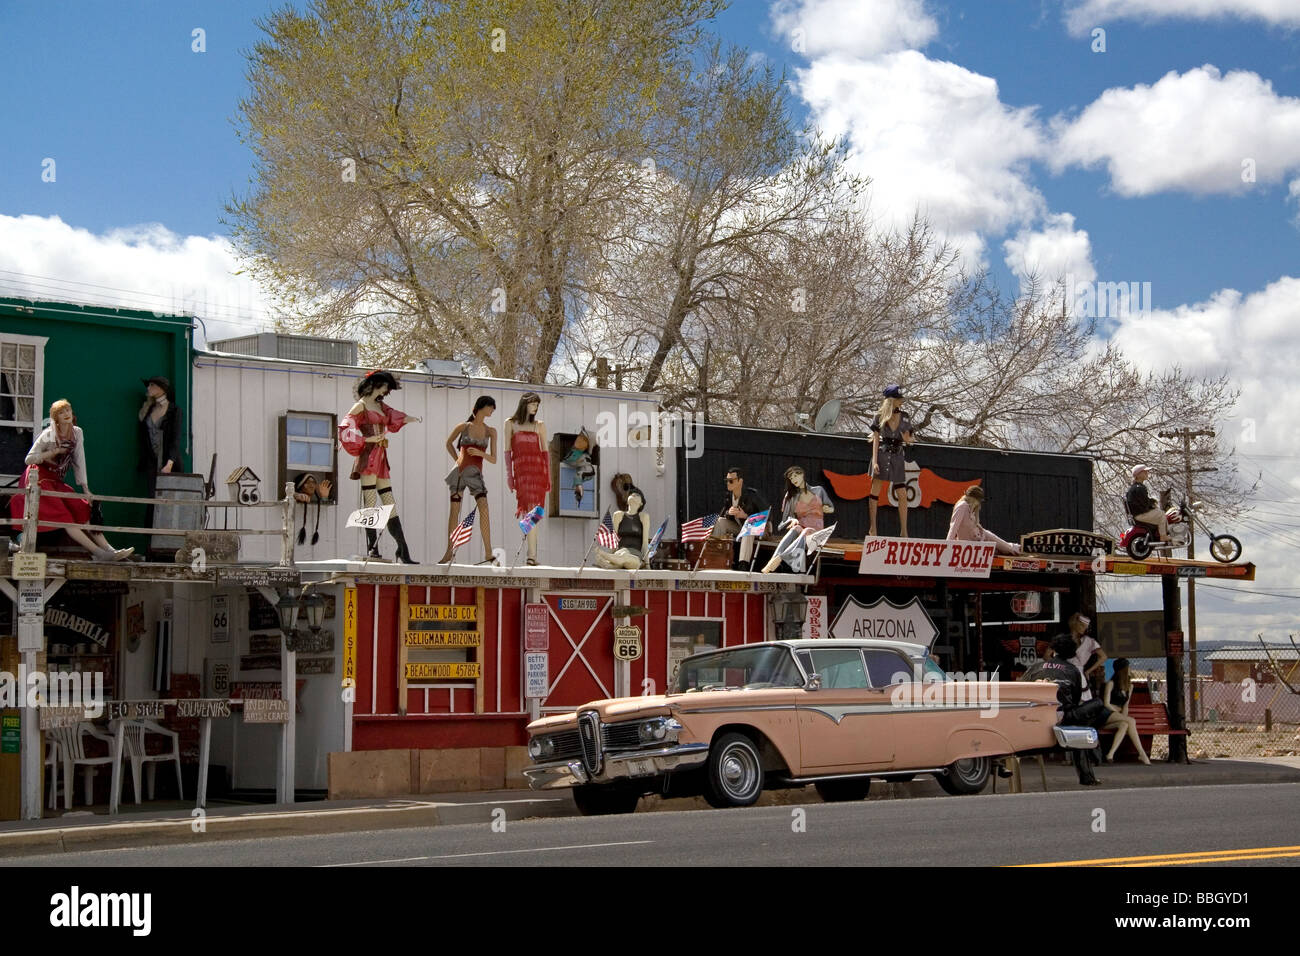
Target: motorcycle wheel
x,y
1225,548
1140,547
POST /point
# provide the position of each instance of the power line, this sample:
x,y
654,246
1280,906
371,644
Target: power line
x,y
1224,587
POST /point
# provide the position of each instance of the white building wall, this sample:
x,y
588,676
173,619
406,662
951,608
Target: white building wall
x,y
238,401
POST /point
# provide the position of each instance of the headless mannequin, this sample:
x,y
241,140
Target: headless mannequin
x,y
539,429
627,559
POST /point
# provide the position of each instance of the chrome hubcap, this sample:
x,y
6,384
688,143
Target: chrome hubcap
x,y
738,772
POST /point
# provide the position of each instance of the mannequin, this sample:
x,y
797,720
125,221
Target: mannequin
x,y
528,463
160,435
470,444
891,429
57,449
965,524
362,433
803,510
633,529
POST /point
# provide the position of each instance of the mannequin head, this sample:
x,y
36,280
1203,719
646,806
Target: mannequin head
x,y
1079,625
62,416
796,483
529,403
974,497
635,501
378,383
484,406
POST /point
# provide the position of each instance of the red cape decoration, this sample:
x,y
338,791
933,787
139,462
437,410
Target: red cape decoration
x,y
933,488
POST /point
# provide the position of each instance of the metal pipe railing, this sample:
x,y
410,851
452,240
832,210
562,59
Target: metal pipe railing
x,y
31,516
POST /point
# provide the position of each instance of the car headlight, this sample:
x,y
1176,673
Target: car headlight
x,y
541,747
658,729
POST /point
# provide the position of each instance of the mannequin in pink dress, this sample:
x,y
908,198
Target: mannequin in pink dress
x,y
528,463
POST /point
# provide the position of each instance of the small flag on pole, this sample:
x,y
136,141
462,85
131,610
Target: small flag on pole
x,y
654,542
605,536
818,539
530,521
697,529
463,530
755,524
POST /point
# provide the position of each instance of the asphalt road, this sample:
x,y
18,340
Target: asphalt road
x,y
1257,825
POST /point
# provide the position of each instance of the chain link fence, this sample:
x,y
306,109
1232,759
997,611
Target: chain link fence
x,y
1242,720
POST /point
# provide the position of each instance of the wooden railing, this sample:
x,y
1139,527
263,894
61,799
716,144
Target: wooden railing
x,y
31,516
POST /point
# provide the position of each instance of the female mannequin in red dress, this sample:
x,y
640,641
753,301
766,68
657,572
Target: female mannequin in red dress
x,y
361,433
528,462
56,450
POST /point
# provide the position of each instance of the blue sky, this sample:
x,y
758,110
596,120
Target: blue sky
x,y
996,116
140,126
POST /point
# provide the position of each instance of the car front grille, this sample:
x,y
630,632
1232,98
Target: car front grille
x,y
589,737
622,736
567,746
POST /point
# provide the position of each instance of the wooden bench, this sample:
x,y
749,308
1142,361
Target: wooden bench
x,y
1152,721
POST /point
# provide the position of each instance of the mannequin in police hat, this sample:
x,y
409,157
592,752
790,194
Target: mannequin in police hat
x,y
891,429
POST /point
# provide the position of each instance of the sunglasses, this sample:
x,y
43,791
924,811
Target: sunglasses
x,y
732,481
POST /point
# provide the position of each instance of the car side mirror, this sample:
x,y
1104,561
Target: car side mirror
x,y
814,682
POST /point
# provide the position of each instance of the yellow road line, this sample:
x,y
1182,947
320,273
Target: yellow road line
x,y
1168,859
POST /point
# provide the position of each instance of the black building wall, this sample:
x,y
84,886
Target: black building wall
x,y
1026,491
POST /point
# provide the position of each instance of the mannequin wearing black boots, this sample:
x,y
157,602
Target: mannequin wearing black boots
x,y
362,433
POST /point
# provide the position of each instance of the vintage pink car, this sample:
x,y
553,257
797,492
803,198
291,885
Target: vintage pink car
x,y
835,713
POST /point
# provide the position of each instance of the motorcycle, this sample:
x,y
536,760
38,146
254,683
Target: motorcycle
x,y
1142,540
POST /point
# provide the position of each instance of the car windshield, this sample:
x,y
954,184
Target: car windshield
x,y
752,667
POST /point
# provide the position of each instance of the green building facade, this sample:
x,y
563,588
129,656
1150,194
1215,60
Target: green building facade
x,y
95,357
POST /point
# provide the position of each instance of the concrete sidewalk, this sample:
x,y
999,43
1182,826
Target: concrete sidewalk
x,y
162,823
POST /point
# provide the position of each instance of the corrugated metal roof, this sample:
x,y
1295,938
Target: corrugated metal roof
x,y
1254,653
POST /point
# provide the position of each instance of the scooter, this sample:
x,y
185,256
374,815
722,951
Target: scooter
x,y
1142,540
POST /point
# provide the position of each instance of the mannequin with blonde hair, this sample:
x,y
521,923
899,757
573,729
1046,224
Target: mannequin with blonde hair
x,y
891,429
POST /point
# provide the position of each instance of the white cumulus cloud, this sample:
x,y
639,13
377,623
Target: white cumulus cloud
x,y
862,28
1054,251
1082,15
1200,131
146,267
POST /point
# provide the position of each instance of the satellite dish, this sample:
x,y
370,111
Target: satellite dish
x,y
827,416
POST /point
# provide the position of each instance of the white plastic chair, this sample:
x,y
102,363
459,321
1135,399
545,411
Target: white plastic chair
x,y
52,759
71,749
133,734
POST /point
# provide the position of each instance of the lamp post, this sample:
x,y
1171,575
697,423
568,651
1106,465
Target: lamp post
x,y
287,609
789,610
315,605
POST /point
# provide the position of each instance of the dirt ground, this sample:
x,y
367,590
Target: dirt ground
x,y
1236,740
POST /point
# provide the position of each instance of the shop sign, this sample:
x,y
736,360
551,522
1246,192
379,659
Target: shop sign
x,y
1124,567
884,620
132,709
926,558
24,566
1191,571
31,632
443,612
305,642
1132,633
443,639
1022,564
627,643
256,577
264,643
537,635
349,637
1082,544
30,595
314,665
263,690
578,604
216,678
201,707
220,618
814,625
630,610
537,678
581,584
1027,604
424,670
259,662
1174,640
265,710
10,733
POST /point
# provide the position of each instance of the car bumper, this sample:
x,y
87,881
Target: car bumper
x,y
622,766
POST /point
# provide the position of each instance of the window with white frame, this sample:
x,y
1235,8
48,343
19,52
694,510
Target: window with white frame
x,y
22,367
307,446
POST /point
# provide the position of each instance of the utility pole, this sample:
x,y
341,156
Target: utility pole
x,y
1186,434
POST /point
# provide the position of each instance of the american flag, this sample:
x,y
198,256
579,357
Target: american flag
x,y
530,521
605,536
697,529
755,524
654,542
463,530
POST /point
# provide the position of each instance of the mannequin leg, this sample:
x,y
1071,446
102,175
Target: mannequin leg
x,y
786,544
902,512
453,519
1132,727
532,545
83,539
484,527
395,523
871,511
369,499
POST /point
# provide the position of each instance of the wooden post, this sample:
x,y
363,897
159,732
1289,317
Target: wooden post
x,y
403,622
289,729
480,651
286,527
31,506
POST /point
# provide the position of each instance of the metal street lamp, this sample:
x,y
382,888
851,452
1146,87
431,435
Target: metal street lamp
x,y
287,608
315,611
